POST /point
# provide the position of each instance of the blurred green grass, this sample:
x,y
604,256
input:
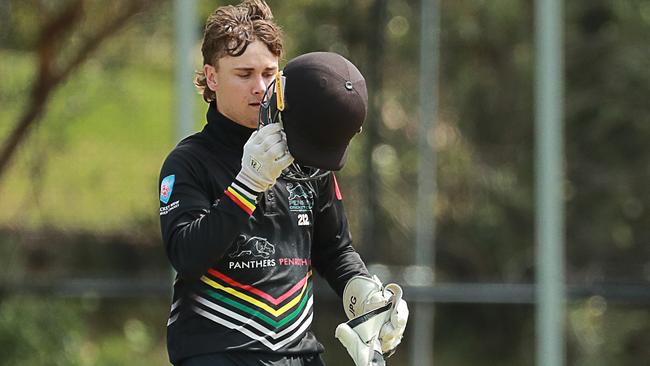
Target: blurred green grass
x,y
85,331
92,161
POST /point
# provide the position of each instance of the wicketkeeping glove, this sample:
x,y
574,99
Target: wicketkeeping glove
x,y
364,296
360,336
265,156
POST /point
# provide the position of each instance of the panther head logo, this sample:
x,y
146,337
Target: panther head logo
x,y
297,191
253,246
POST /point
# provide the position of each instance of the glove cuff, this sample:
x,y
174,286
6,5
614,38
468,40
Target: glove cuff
x,y
246,181
361,295
242,195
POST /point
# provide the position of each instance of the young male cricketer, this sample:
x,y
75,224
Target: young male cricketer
x,y
243,239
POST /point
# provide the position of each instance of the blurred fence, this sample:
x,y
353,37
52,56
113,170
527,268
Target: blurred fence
x,y
448,293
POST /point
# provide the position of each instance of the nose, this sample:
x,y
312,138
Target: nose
x,y
259,86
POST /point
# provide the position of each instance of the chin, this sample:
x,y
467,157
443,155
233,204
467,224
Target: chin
x,y
252,123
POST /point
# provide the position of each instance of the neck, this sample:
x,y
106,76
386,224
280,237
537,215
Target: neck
x,y
224,130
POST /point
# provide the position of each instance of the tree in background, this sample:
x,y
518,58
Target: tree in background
x,y
57,57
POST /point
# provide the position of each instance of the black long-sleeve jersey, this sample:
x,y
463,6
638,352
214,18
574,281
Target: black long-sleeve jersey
x,y
244,261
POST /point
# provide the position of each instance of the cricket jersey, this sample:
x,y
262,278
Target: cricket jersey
x,y
244,260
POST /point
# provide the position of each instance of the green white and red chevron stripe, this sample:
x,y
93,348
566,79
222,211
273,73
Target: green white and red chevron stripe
x,y
273,321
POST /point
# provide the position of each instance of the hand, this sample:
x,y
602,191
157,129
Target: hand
x,y
364,294
392,332
265,156
359,336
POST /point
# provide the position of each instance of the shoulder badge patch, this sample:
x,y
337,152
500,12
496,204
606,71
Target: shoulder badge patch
x,y
166,187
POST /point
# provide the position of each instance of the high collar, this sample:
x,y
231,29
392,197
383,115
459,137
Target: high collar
x,y
225,131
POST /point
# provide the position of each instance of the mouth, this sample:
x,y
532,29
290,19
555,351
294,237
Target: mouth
x,y
254,104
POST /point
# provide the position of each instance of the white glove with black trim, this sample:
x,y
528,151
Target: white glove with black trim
x,y
366,300
360,336
265,156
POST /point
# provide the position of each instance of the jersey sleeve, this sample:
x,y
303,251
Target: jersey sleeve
x,y
195,230
333,255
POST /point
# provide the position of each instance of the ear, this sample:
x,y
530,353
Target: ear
x,y
210,76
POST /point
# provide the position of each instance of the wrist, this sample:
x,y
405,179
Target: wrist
x,y
242,195
361,295
246,181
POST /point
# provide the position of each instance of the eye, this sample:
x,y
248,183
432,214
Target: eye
x,y
244,75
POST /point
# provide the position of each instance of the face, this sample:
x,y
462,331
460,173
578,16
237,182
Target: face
x,y
240,82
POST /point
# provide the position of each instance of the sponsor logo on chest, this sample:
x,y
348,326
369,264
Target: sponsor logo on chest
x,y
257,252
301,198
